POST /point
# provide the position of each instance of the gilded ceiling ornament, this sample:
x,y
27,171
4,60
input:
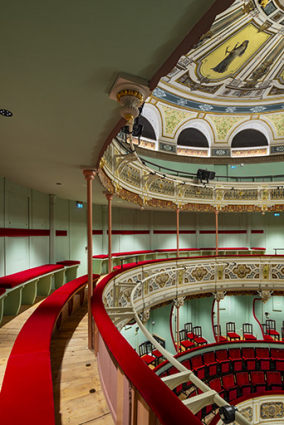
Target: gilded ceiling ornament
x,y
219,295
265,295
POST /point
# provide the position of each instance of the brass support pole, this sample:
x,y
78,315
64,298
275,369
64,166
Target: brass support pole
x,y
109,197
89,176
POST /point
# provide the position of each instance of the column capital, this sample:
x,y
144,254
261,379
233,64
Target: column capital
x,y
108,195
89,174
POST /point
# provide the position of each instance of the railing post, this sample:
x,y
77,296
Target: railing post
x,y
216,219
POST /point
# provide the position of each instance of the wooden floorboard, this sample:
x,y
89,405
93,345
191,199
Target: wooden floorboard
x,y
78,397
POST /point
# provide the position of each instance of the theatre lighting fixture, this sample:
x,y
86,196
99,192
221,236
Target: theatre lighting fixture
x,y
227,414
131,92
205,175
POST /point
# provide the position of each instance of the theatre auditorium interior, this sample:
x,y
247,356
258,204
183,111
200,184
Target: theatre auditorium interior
x,y
142,212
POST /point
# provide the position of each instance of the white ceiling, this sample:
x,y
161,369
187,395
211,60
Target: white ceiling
x,y
58,61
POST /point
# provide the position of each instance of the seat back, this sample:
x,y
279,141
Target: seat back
x,y
216,330
228,381
215,384
182,335
277,353
209,357
242,378
221,355
265,328
247,328
248,353
145,348
197,330
257,377
235,353
196,361
230,327
273,377
262,352
271,323
188,326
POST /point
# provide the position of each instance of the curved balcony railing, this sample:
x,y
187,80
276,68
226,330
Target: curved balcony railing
x,y
130,178
122,296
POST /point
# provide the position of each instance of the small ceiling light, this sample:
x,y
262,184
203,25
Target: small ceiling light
x,y
5,113
59,184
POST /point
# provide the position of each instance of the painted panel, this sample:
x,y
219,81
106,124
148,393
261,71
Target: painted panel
x,y
233,53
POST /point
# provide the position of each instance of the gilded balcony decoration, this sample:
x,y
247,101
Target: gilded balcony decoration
x,y
272,410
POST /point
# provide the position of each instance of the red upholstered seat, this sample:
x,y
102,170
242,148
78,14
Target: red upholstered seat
x,y
215,384
236,358
230,387
2,291
145,352
248,332
69,262
184,341
210,363
272,329
197,366
243,382
197,336
223,360
277,356
231,331
258,381
221,338
249,358
263,357
15,279
188,328
274,381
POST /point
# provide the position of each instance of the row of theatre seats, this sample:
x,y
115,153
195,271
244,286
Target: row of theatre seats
x,y
234,372
232,386
191,337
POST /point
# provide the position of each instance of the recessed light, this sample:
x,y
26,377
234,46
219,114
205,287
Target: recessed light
x,y
5,113
59,184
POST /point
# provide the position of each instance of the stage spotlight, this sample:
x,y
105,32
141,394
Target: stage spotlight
x,y
205,175
227,414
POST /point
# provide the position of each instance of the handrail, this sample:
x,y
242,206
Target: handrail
x,y
162,401
215,398
177,173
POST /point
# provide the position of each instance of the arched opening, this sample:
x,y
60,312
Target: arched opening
x,y
193,138
148,130
249,138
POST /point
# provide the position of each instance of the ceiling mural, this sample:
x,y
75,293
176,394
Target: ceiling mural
x,y
235,73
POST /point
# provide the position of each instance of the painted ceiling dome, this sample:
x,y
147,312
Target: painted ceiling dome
x,y
232,80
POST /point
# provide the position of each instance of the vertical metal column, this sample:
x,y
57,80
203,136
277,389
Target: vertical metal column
x,y
89,176
177,232
109,197
52,229
216,217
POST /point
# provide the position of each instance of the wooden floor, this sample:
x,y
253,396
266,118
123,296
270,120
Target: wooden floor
x,y
78,396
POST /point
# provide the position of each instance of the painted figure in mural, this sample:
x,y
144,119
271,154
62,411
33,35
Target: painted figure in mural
x,y
238,50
